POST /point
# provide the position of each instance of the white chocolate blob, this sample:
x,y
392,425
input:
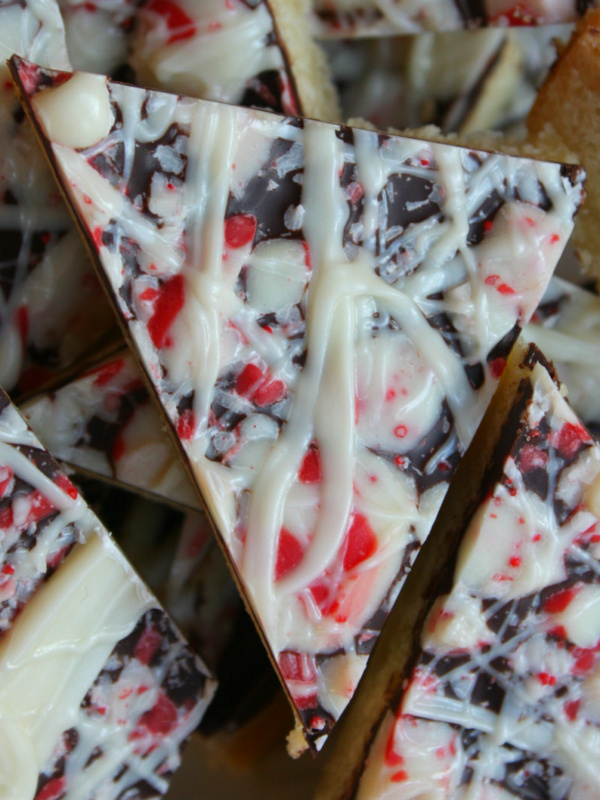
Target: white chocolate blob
x,y
85,95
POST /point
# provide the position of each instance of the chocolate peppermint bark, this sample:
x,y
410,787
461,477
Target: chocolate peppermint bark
x,y
566,326
105,424
257,54
176,555
52,309
502,699
180,47
99,691
323,334
347,18
99,34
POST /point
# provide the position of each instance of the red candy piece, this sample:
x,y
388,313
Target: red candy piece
x,y
497,367
392,759
269,393
572,709
558,601
239,230
52,790
105,374
160,719
302,701
569,439
256,385
361,542
307,257
6,476
186,425
310,470
40,507
175,17
296,667
248,379
515,17
546,679
532,458
504,288
320,593
584,660
168,305
66,485
6,518
289,554
97,236
149,294
147,645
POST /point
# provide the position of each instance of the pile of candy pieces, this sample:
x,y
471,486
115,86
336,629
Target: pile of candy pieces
x,y
282,339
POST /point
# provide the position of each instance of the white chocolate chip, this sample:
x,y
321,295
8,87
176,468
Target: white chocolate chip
x,y
581,618
84,97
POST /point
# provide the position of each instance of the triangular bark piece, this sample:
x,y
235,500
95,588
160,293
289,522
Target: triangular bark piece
x,y
500,700
104,424
99,690
324,313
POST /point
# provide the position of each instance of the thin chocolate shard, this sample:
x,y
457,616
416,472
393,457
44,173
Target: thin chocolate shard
x,y
271,323
501,701
99,689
